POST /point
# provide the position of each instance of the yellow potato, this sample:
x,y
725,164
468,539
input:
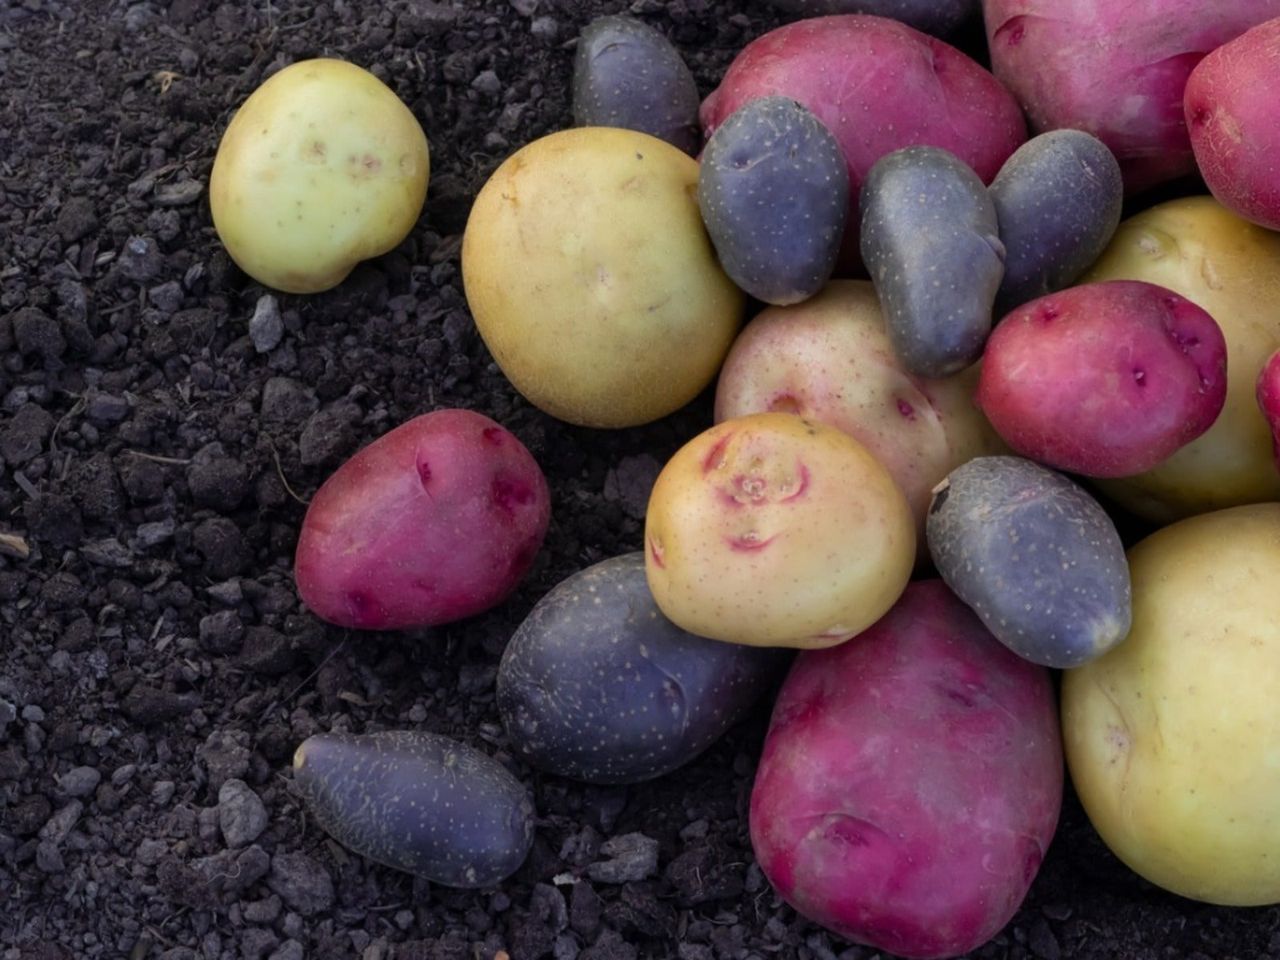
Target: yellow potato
x,y
1173,737
322,167
592,280
1231,268
774,530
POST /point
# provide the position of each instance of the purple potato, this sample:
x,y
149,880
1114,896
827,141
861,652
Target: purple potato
x,y
938,17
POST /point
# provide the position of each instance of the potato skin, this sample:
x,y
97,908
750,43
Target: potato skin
x,y
597,685
911,781
434,521
627,74
418,802
1104,379
1035,556
592,280
774,193
1171,737
1196,247
1268,394
938,17
1234,123
829,359
321,167
773,530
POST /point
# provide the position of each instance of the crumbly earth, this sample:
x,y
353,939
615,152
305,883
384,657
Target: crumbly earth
x,y
163,422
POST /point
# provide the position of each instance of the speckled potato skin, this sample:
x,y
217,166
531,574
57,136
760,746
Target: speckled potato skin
x,y
418,802
774,193
592,279
1196,247
1058,202
434,521
938,17
597,685
910,782
931,243
773,530
1268,395
321,167
829,359
1104,379
627,74
1035,556
1171,738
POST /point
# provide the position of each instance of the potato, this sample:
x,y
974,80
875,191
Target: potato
x,y
1171,737
774,194
1234,122
1036,558
597,685
592,280
773,530
1104,379
1116,70
1058,201
418,802
911,781
878,85
1268,393
930,242
939,17
627,74
434,521
321,167
1231,268
830,359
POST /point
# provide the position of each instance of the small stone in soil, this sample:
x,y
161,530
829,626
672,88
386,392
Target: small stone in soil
x,y
632,857
79,781
241,813
302,882
266,328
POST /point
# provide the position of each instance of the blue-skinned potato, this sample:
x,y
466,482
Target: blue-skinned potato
x,y
597,685
930,240
938,17
1035,556
1058,201
773,189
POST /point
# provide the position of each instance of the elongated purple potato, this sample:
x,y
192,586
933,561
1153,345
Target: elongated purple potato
x,y
938,17
419,802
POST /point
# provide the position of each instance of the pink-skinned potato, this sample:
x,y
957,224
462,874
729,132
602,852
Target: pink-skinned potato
x,y
1268,392
878,85
434,521
911,781
1234,119
1104,379
1115,70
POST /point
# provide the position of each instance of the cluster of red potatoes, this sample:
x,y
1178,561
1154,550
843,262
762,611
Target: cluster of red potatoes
x,y
907,475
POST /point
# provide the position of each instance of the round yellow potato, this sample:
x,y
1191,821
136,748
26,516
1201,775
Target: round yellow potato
x,y
1173,737
1231,268
592,279
774,530
322,167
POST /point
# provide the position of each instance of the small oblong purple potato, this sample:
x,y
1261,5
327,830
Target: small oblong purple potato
x,y
418,802
938,17
627,74
1035,556
1058,201
597,685
773,189
930,240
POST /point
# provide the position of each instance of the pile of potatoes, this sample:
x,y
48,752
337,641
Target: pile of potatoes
x,y
943,368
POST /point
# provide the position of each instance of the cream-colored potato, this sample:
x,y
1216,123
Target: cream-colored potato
x,y
321,167
592,280
1173,737
1231,268
774,530
830,359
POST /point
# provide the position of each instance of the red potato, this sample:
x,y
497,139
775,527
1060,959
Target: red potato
x,y
911,781
1104,379
1268,392
434,521
878,85
1234,119
1116,70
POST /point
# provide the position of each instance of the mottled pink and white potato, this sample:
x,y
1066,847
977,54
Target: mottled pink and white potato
x,y
774,530
911,781
1104,379
434,521
830,359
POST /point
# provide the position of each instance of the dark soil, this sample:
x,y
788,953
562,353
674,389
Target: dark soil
x,y
155,461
